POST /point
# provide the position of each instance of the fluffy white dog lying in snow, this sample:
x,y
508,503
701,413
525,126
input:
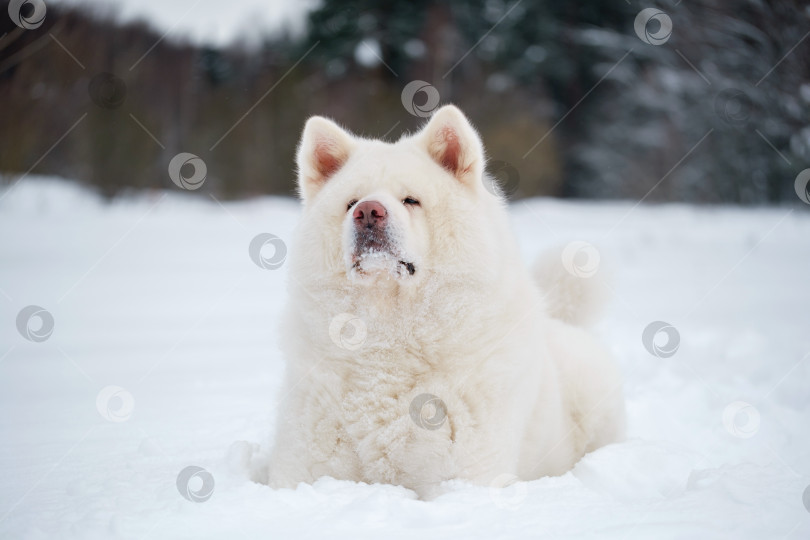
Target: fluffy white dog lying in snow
x,y
419,348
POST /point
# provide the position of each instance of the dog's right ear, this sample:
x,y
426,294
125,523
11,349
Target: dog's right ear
x,y
453,143
323,150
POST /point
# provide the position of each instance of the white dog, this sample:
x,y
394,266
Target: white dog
x,y
419,349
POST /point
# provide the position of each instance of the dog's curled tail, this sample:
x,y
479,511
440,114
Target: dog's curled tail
x,y
573,282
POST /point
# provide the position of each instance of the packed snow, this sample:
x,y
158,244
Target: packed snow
x,y
163,356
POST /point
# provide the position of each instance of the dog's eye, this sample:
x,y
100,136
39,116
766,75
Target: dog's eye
x,y
411,201
351,203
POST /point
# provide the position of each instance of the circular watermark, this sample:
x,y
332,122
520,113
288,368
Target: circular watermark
x,y
802,186
409,93
428,411
259,243
348,331
107,91
653,26
581,259
806,498
507,491
733,106
27,14
187,171
29,329
195,484
741,419
657,331
115,404
503,178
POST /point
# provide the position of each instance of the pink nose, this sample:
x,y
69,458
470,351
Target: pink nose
x,y
369,214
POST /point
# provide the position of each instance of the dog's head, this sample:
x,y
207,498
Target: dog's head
x,y
394,210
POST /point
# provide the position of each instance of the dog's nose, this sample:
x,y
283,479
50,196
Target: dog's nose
x,y
368,214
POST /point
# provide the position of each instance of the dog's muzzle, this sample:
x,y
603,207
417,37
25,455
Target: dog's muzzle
x,y
372,240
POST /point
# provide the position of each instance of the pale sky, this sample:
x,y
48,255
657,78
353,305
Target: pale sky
x,y
210,21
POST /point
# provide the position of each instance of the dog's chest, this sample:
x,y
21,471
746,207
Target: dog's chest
x,y
374,397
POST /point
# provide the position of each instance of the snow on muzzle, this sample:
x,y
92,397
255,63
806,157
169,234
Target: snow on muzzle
x,y
374,245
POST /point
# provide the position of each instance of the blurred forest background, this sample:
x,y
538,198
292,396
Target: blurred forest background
x,y
569,100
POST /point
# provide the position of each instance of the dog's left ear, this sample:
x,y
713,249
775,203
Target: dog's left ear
x,y
323,150
454,144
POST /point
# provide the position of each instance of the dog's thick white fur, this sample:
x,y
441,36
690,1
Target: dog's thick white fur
x,y
429,353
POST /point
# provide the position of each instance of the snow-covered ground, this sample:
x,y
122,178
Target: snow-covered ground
x,y
158,296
